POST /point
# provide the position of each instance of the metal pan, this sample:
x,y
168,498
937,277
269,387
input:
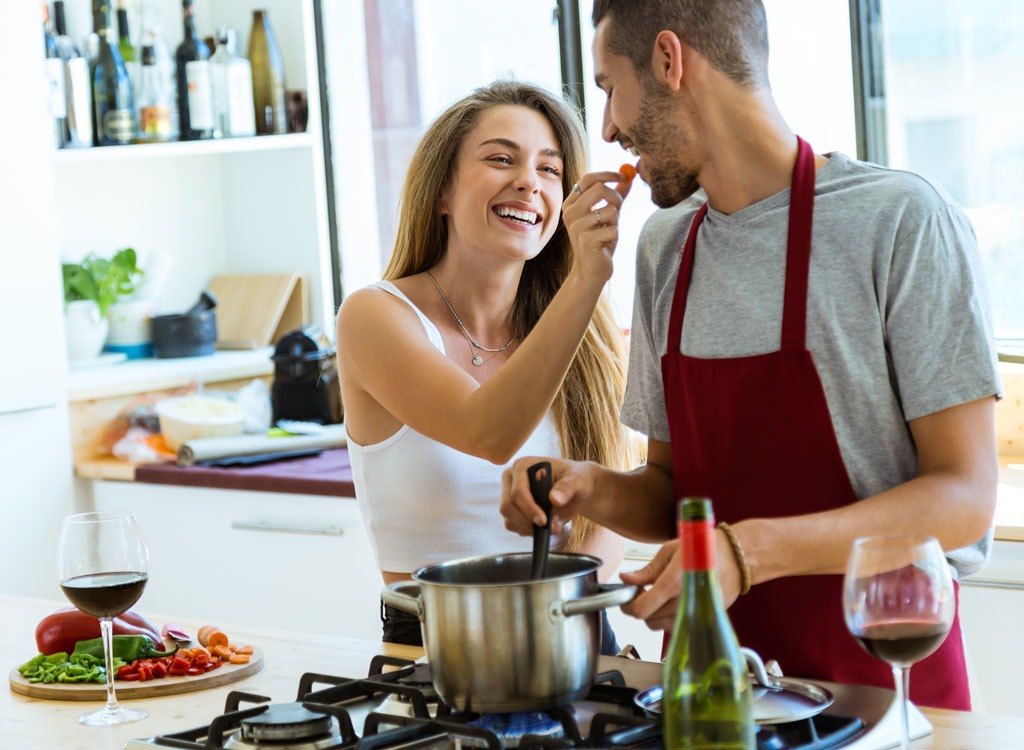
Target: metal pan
x,y
776,699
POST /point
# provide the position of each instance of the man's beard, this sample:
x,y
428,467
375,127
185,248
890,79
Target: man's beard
x,y
656,133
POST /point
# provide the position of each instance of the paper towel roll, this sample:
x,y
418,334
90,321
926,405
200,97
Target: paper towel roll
x,y
212,448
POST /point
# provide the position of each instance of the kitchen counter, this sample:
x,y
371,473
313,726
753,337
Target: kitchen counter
x,y
28,724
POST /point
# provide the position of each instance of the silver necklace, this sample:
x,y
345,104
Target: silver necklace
x,y
473,344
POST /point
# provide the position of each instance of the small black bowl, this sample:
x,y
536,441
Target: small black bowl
x,y
191,334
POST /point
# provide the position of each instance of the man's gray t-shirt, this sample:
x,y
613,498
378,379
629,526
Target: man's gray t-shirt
x,y
898,322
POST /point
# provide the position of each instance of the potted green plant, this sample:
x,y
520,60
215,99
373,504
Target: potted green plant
x,y
91,286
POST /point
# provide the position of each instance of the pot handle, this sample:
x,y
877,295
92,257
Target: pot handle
x,y
392,594
611,595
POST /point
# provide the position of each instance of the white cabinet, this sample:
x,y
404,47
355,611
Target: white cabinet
x,y
35,456
992,617
243,205
254,559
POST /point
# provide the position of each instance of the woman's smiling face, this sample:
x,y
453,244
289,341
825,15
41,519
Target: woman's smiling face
x,y
507,190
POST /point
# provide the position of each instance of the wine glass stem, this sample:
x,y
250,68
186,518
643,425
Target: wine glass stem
x,y
901,676
107,632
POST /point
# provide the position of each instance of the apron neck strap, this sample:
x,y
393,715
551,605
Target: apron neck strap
x,y
798,258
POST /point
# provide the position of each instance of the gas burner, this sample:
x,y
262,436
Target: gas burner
x,y
510,728
286,724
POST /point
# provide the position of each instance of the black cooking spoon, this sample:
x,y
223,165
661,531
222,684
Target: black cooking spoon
x,y
540,487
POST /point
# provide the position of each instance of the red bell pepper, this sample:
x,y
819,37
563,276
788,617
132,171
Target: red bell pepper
x,y
63,629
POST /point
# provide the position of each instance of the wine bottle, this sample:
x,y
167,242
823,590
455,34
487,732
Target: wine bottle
x,y
56,92
195,91
707,699
267,77
125,46
65,44
113,105
232,88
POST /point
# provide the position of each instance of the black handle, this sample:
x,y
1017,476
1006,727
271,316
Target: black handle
x,y
540,487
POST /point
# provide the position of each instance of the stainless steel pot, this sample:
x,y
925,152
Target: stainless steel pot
x,y
500,642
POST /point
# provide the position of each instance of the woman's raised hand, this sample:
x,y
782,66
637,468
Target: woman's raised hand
x,y
591,216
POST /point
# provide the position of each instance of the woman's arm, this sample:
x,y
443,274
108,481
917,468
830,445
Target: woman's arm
x,y
386,361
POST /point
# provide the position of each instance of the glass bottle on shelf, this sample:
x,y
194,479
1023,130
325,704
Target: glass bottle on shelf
x,y
267,77
232,88
113,105
155,101
707,701
153,36
77,85
125,46
56,95
195,91
65,44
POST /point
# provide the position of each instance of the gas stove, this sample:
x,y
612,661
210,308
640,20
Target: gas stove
x,y
396,706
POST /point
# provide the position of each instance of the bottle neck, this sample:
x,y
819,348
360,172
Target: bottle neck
x,y
58,18
101,19
697,545
188,20
122,23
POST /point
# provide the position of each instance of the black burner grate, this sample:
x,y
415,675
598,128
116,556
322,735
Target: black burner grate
x,y
612,719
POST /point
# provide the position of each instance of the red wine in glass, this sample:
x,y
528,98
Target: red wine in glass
x,y
104,594
102,566
902,642
898,602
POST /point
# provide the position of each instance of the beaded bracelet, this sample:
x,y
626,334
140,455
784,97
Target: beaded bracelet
x,y
741,559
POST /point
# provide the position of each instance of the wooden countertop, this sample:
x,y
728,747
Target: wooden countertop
x,y
28,723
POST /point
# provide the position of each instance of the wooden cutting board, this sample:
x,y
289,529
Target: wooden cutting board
x,y
95,691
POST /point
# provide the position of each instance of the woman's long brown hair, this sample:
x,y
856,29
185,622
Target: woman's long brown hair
x,y
586,408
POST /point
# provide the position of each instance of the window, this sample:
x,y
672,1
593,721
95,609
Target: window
x,y
949,104
934,85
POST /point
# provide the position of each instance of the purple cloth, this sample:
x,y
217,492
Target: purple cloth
x,y
329,473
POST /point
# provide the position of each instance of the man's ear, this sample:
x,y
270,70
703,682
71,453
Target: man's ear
x,y
667,62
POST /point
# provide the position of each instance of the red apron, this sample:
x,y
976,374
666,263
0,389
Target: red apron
x,y
755,435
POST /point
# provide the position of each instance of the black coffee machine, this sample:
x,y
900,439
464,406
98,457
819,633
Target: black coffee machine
x,y
306,378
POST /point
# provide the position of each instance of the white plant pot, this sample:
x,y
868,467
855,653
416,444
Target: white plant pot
x,y
130,328
85,329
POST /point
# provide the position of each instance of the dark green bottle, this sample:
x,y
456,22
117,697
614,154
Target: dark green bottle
x,y
707,702
113,107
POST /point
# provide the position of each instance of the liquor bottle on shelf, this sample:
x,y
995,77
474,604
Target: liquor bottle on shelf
x,y
707,701
267,77
153,36
77,85
125,46
113,105
155,101
195,91
232,88
56,92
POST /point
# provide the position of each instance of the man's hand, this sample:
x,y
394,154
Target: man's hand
x,y
661,579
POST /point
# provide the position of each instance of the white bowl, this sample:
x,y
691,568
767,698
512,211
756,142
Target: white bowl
x,y
196,416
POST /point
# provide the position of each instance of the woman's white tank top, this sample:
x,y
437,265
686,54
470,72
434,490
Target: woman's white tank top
x,y
424,503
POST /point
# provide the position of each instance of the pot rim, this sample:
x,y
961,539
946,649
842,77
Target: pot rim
x,y
420,575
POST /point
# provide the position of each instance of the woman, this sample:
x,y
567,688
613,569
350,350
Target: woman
x,y
489,338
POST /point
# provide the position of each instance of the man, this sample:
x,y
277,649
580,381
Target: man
x,y
835,375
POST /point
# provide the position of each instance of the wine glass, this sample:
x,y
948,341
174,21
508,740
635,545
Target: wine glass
x,y
898,602
103,563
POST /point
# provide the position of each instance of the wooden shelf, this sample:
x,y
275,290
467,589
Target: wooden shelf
x,y
144,375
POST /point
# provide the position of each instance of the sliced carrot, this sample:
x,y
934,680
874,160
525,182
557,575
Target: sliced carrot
x,y
242,649
223,651
216,638
239,659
